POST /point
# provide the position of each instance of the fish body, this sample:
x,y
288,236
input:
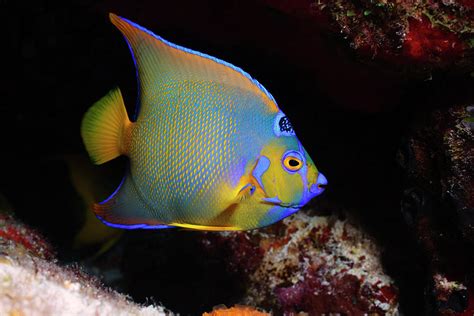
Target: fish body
x,y
209,149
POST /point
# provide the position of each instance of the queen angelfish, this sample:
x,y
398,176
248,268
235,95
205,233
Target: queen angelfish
x,y
209,148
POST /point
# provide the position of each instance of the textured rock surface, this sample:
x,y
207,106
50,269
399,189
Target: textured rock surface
x,y
432,33
439,161
438,158
308,264
31,283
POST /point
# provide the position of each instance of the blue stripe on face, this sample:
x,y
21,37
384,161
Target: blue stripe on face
x,y
303,172
262,165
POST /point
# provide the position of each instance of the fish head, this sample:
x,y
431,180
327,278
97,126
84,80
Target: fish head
x,y
284,175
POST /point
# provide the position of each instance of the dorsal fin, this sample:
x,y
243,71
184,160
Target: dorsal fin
x,y
159,62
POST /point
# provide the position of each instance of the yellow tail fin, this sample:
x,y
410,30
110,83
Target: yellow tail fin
x,y
106,128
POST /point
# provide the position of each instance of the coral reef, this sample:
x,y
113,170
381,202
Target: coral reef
x,y
438,159
432,33
32,283
308,264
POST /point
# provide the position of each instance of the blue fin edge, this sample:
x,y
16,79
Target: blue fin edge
x,y
124,226
113,193
217,60
132,226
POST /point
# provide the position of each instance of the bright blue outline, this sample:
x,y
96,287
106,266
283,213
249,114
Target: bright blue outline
x,y
113,193
137,101
217,60
133,226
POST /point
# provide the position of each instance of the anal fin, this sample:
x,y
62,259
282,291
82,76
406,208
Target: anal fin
x,y
126,209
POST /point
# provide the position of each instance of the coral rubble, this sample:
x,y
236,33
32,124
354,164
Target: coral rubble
x,y
308,264
438,158
433,33
32,283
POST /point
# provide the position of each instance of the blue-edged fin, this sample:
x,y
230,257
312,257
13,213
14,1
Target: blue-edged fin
x,y
126,209
160,63
106,128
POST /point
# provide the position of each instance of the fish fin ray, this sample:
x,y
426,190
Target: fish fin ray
x,y
105,128
159,62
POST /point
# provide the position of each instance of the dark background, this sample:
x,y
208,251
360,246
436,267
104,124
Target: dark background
x,y
351,114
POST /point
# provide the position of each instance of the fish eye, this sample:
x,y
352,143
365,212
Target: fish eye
x,y
292,161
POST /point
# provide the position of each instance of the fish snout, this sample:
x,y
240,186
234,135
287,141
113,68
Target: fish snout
x,y
320,185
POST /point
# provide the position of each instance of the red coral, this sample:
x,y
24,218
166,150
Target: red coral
x,y
425,42
435,33
19,234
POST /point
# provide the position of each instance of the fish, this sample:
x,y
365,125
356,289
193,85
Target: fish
x,y
208,148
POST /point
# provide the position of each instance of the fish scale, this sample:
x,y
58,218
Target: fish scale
x,y
186,174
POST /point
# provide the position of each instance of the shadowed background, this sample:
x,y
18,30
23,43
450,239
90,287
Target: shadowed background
x,y
351,114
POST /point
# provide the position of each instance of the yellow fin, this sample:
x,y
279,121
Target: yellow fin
x,y
160,62
105,128
204,227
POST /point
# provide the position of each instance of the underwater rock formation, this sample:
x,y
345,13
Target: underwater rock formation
x,y
438,203
308,264
430,33
33,284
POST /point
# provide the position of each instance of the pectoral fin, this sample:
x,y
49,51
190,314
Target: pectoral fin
x,y
246,192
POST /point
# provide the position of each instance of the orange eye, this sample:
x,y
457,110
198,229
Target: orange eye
x,y
292,163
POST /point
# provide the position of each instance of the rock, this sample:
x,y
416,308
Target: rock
x,y
451,297
438,204
307,264
435,34
32,283
438,158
